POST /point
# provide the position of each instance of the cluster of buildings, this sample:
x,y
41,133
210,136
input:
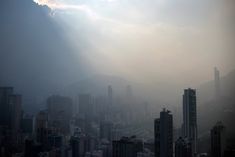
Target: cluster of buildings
x,y
91,127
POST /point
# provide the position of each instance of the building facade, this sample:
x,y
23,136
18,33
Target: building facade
x,y
189,126
163,131
218,140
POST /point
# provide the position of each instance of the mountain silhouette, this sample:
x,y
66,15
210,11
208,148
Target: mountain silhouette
x,y
34,55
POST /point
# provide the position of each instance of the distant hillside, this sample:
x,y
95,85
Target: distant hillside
x,y
211,109
97,85
35,57
206,90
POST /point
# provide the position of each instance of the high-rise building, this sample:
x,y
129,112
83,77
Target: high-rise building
x,y
10,113
15,102
32,149
218,140
55,141
163,131
183,148
27,124
127,147
59,112
190,118
81,144
5,93
217,83
106,130
41,127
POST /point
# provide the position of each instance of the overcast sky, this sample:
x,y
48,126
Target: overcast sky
x,y
150,40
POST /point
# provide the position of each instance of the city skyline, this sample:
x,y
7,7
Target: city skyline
x,y
117,78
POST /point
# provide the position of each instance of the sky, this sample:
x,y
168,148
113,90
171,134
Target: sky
x,y
163,46
152,40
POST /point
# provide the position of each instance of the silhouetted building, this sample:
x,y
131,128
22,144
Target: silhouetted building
x,y
229,153
127,147
218,140
59,112
5,93
163,131
15,102
106,147
106,130
217,83
31,149
190,118
27,124
41,127
183,148
55,141
10,114
81,143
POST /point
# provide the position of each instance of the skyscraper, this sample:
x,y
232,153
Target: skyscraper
x,y
190,117
81,143
218,140
217,83
10,112
59,112
163,131
15,102
5,93
106,130
127,147
41,127
183,148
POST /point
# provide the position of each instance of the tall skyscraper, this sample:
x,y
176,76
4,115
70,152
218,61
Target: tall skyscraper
x,y
10,113
218,140
163,131
41,127
59,112
5,93
106,130
190,117
217,83
81,143
15,102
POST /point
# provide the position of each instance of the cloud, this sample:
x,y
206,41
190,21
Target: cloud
x,y
149,35
55,5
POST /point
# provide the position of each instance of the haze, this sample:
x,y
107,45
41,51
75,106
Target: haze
x,y
175,41
161,44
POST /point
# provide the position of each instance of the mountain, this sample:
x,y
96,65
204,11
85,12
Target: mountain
x,y
97,85
35,57
211,109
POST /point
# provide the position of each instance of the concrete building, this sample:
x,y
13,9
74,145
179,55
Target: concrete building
x,y
59,112
218,140
183,148
190,118
127,147
163,131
